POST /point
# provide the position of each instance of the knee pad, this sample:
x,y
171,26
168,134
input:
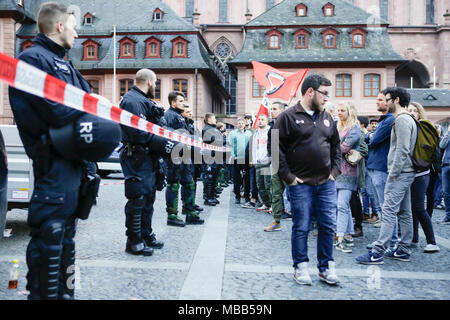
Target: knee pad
x,y
174,187
52,232
137,202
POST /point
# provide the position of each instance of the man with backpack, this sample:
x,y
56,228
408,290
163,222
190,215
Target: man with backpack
x,y
401,174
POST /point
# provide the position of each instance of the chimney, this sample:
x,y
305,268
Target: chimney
x,y
196,16
248,16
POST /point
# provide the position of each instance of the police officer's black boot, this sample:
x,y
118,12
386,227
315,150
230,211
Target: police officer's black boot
x,y
193,218
150,241
135,245
209,194
198,208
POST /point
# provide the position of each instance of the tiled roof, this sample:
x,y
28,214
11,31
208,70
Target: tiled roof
x,y
377,47
133,19
431,98
345,13
128,16
346,18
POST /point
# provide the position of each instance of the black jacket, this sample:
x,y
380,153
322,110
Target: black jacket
x,y
309,149
175,120
137,102
34,115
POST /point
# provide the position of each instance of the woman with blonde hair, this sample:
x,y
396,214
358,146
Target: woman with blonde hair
x,y
418,191
346,183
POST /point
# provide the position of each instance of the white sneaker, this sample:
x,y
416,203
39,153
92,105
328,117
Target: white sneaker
x,y
262,208
430,248
301,274
329,275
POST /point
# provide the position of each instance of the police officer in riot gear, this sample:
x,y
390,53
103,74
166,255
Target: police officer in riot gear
x,y
140,165
211,170
195,168
54,204
179,173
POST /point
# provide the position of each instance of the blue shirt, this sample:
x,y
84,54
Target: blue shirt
x,y
380,143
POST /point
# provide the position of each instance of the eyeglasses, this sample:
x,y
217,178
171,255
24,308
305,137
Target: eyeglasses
x,y
325,94
389,99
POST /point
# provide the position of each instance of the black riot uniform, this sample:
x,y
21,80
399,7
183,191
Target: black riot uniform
x,y
54,203
210,171
179,174
195,168
140,167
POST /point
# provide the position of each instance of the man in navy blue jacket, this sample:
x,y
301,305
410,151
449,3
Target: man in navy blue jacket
x,y
379,143
53,205
139,166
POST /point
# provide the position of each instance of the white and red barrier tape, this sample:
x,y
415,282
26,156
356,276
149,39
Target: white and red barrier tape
x,y
25,77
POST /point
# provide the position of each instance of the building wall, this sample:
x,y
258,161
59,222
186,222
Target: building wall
x,y
7,47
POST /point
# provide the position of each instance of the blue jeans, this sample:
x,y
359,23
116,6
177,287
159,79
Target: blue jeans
x,y
369,197
397,209
439,189
420,215
344,215
379,179
305,201
446,189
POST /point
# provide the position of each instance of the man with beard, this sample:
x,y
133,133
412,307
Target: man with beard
x,y
310,159
379,142
139,166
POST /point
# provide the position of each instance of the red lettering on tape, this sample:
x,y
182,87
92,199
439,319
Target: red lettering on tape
x,y
8,68
90,104
54,89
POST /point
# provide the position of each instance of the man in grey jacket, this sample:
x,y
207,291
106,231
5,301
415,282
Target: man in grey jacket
x,y
397,201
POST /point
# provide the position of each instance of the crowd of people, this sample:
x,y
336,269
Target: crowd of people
x,y
301,163
340,171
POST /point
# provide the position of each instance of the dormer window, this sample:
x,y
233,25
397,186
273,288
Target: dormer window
x,y
90,50
88,19
126,48
301,38
358,38
328,9
301,10
179,48
274,37
329,38
153,46
157,15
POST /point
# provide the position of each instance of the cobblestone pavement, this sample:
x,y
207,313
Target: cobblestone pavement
x,y
242,263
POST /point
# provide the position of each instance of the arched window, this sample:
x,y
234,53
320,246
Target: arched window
x,y
124,86
158,90
90,50
153,46
126,48
94,86
181,85
301,38
274,37
343,85
329,38
179,48
372,84
358,37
